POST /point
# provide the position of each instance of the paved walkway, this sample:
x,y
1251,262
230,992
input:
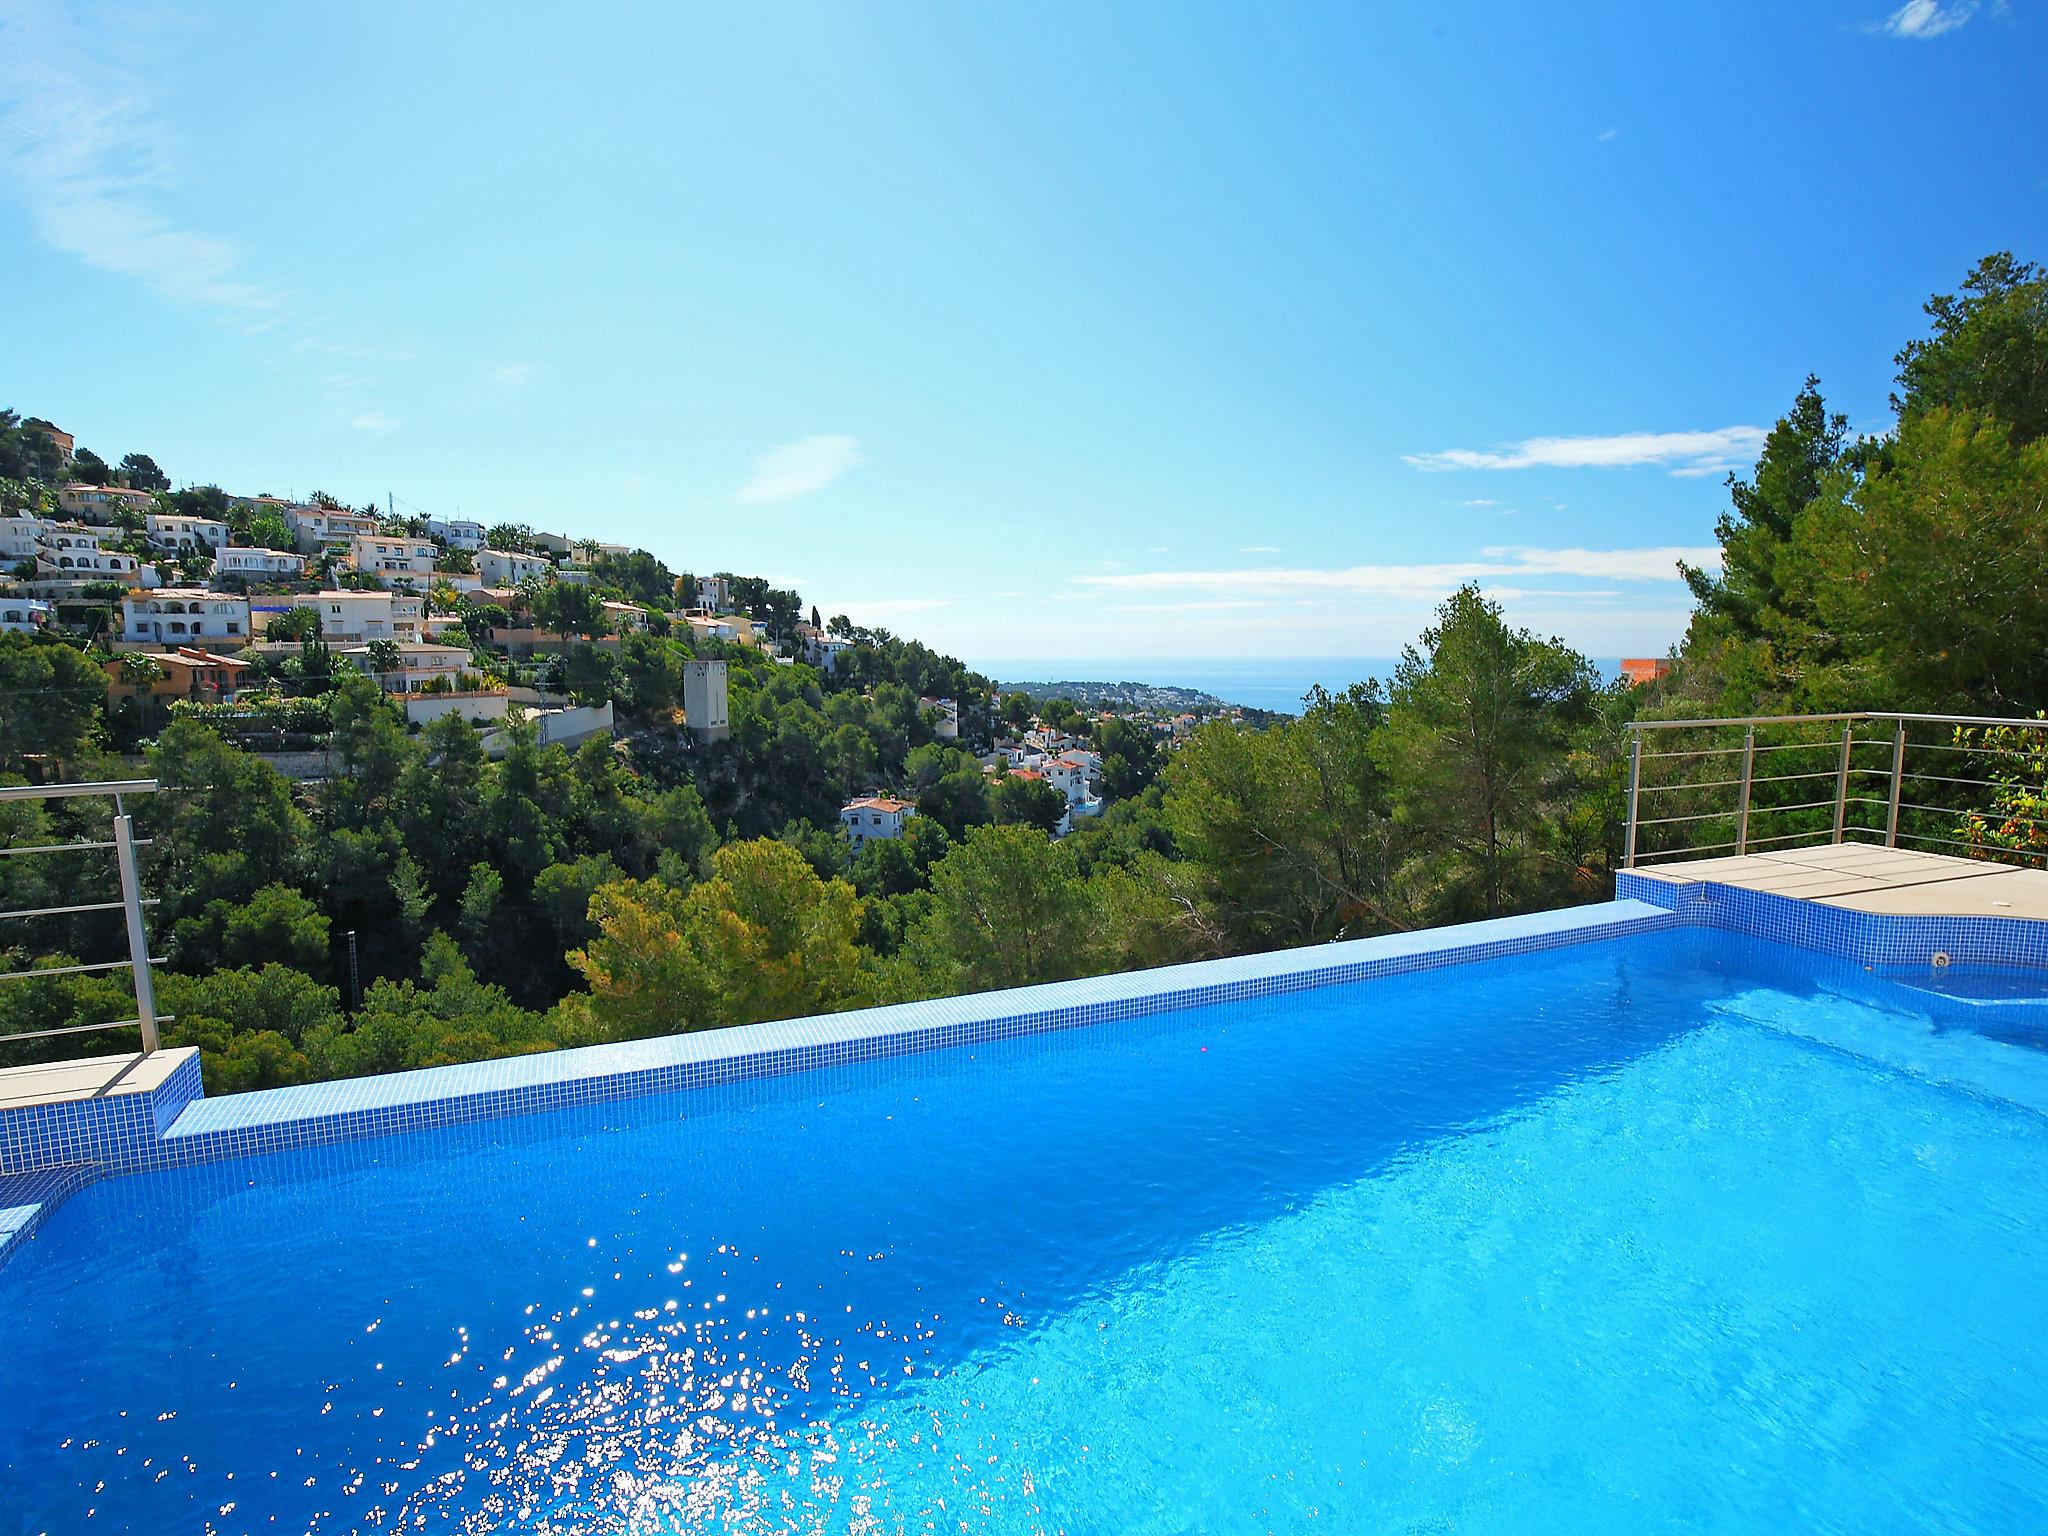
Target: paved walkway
x,y
1865,877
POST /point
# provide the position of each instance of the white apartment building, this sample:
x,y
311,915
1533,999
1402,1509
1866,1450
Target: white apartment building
x,y
25,615
874,818
258,564
71,549
185,534
98,503
315,528
946,717
392,560
714,593
180,615
20,538
457,532
508,568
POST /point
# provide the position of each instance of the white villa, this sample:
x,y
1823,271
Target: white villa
x,y
70,549
347,618
20,538
99,503
507,568
457,532
400,560
25,615
419,661
874,818
257,563
177,616
185,534
317,527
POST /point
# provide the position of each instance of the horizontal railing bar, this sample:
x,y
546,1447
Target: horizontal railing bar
x,y
1650,757
74,791
1943,778
1700,848
80,1029
1986,817
73,970
1785,837
1832,744
1949,746
1792,778
1679,725
1956,842
1803,805
1665,821
1660,789
96,906
1895,716
140,842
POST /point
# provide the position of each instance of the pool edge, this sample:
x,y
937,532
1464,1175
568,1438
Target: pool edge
x,y
186,1128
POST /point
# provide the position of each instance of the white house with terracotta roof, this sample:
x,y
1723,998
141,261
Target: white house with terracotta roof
x,y
874,818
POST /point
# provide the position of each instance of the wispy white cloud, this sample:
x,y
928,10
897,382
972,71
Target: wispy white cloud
x,y
84,153
1422,580
1680,452
1920,20
373,421
634,485
1260,549
512,374
1606,135
797,469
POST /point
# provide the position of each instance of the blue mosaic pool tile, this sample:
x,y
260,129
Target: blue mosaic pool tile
x,y
1870,938
190,1129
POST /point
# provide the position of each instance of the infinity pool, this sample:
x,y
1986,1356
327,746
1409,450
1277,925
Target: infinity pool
x,y
1679,1232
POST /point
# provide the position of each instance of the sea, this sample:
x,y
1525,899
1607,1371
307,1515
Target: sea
x,y
1271,683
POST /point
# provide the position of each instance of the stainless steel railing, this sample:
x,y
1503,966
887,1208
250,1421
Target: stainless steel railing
x,y
130,903
1748,783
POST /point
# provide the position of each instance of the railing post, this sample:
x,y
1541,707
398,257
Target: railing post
x,y
1842,782
138,944
1742,800
1635,789
1891,820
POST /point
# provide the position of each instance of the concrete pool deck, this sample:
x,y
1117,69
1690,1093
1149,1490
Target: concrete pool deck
x,y
1866,877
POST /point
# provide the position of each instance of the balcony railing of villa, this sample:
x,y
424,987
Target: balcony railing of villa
x,y
1965,785
88,919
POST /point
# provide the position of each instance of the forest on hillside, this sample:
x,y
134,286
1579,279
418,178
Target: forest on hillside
x,y
551,898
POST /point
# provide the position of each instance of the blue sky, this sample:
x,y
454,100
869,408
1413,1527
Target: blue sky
x,y
1134,331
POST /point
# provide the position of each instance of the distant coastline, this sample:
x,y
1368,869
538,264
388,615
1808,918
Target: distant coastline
x,y
1276,684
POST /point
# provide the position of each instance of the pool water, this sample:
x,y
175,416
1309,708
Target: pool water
x,y
1673,1233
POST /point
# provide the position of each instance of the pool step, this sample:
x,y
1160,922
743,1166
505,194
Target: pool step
x,y
26,1198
